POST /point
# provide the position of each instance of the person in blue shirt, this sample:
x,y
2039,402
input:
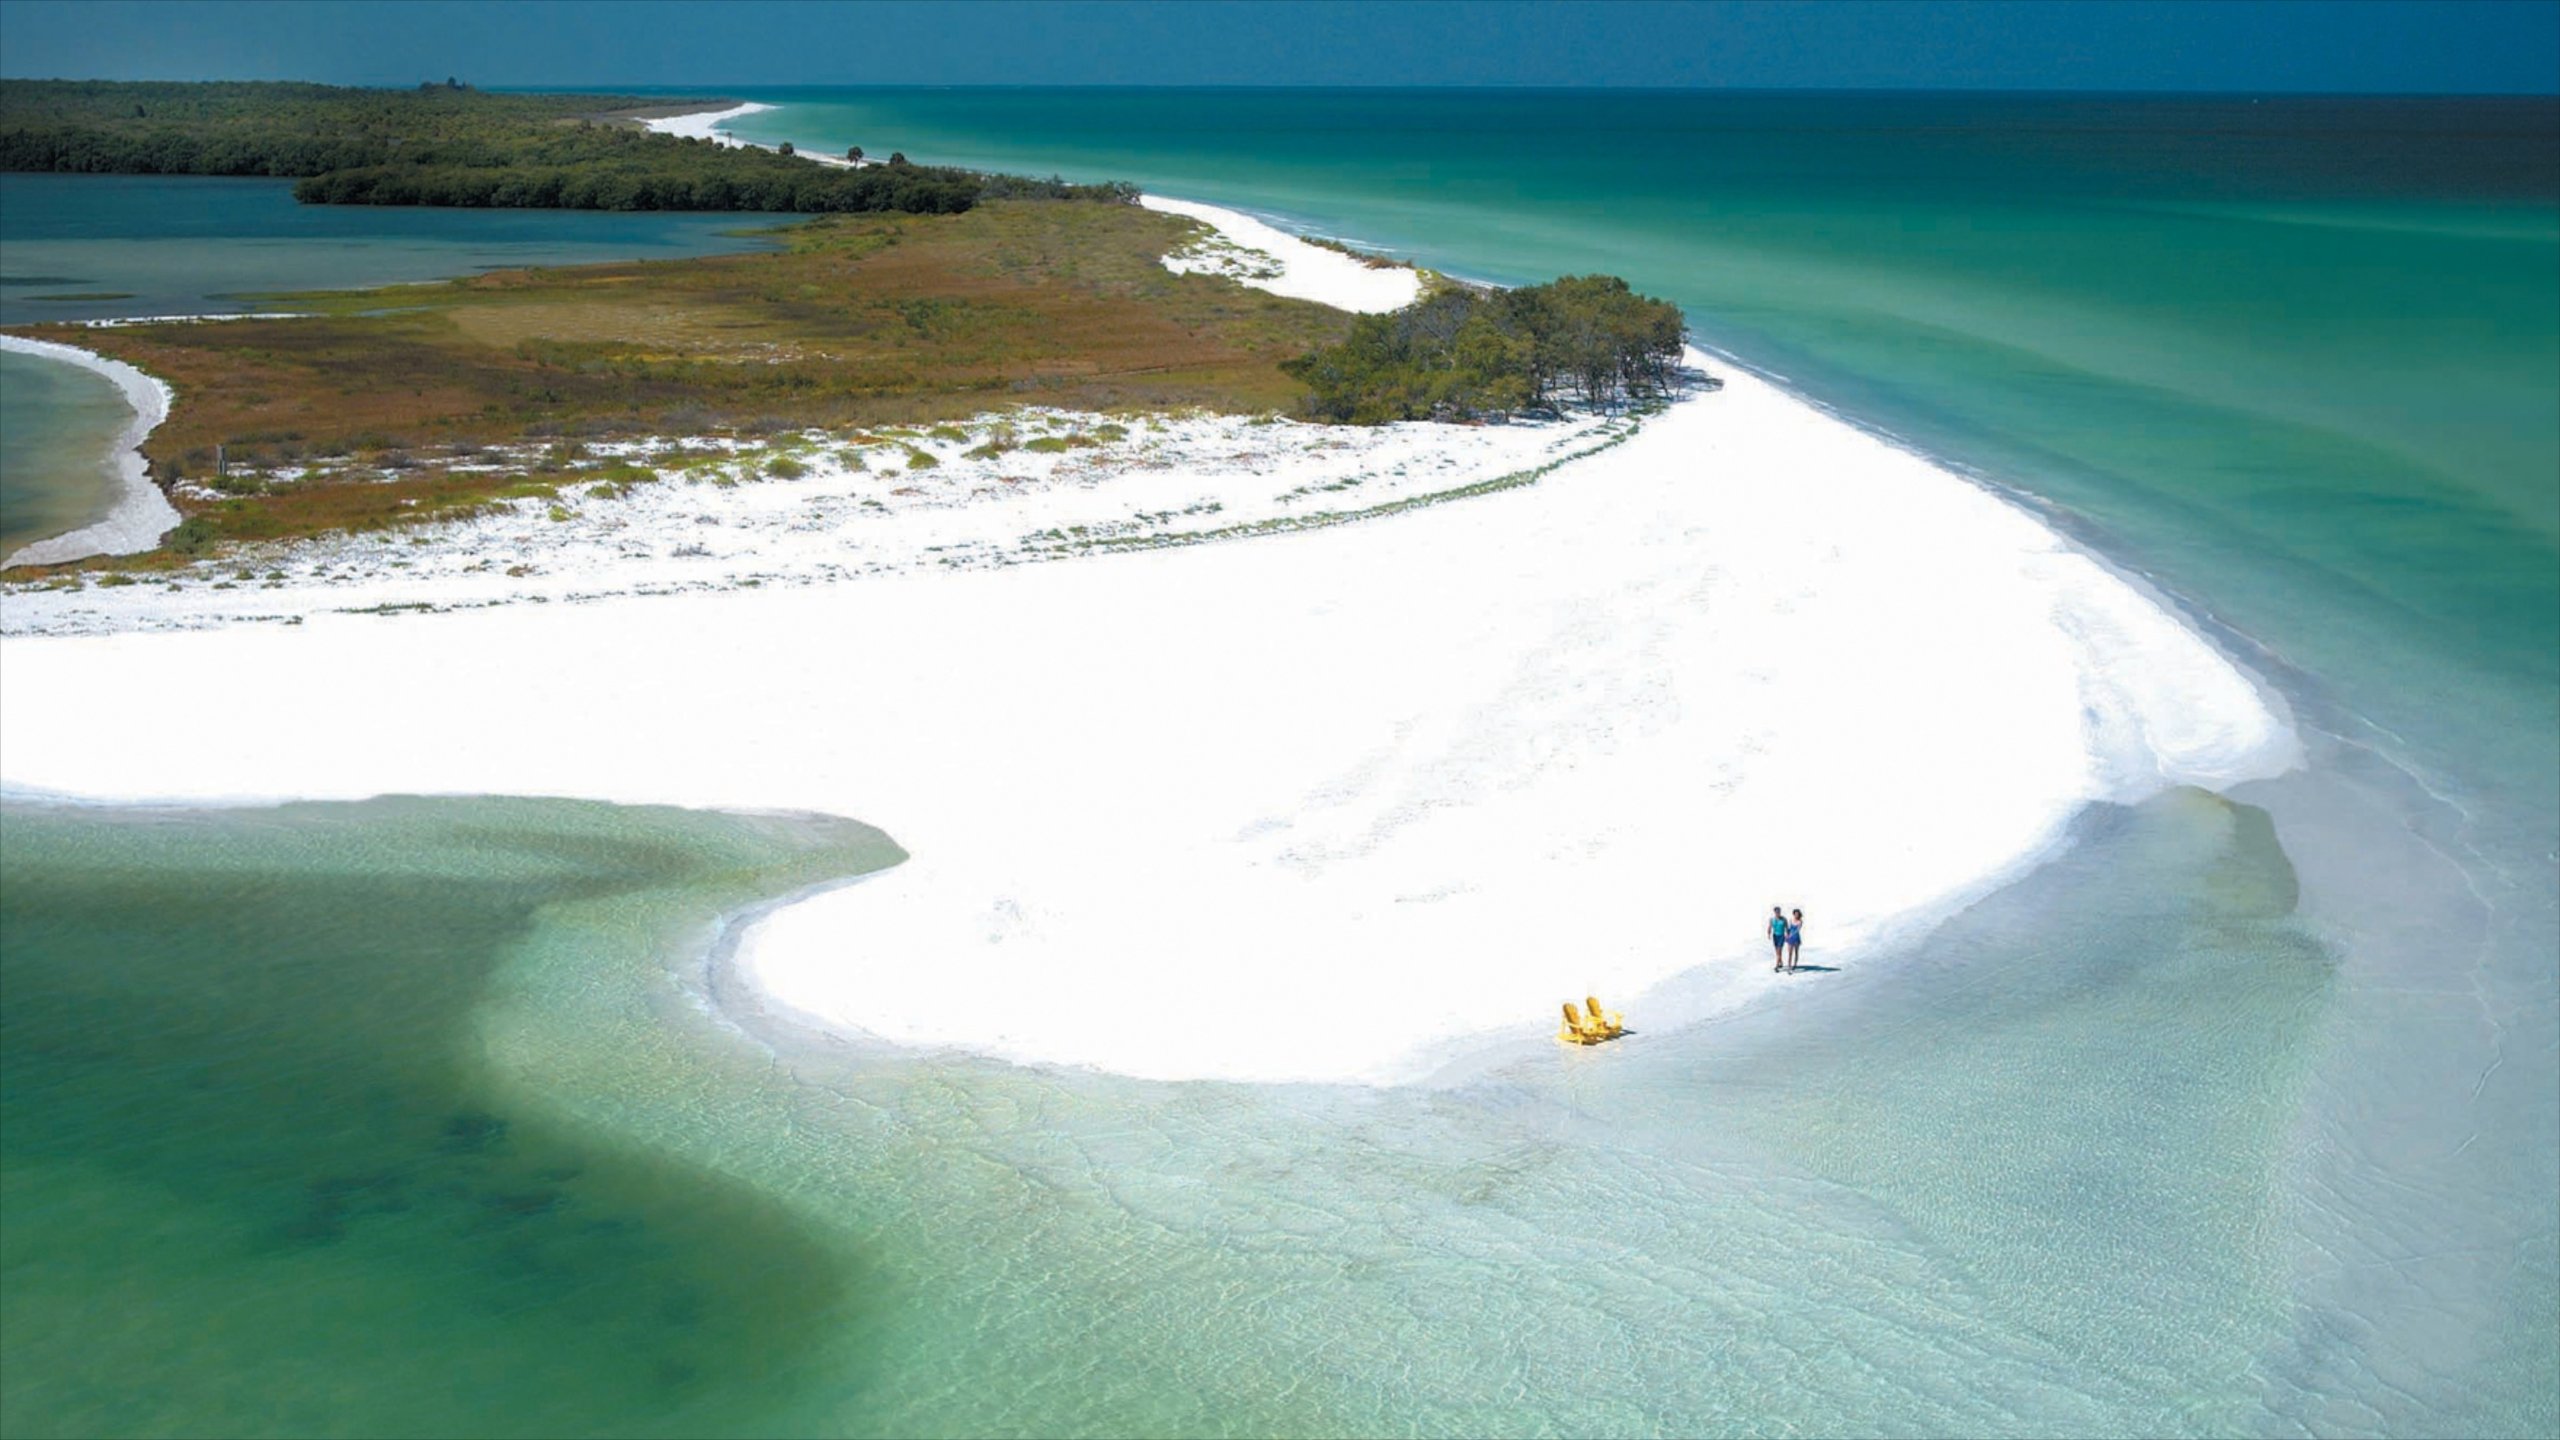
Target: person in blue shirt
x,y
1795,941
1778,938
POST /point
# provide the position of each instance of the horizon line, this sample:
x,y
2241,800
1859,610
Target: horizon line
x,y
713,88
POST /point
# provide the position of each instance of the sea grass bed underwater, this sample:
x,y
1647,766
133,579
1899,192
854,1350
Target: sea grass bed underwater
x,y
265,1172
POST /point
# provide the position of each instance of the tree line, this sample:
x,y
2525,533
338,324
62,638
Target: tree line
x,y
451,145
1462,352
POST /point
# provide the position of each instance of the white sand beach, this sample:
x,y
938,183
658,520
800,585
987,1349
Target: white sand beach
x,y
1333,804
706,124
1269,258
712,125
816,508
141,514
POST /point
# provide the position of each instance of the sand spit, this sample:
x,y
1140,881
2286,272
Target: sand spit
x,y
141,514
1441,768
1267,258
1331,802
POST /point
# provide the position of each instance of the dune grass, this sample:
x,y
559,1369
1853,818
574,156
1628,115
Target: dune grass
x,y
352,415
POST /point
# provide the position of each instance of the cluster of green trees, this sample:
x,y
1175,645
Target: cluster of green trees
x,y
1462,352
632,171
452,145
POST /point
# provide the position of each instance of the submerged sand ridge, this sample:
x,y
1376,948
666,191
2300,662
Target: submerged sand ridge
x,y
1323,802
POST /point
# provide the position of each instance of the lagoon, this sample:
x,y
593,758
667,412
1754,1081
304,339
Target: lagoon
x,y
88,247
94,247
57,425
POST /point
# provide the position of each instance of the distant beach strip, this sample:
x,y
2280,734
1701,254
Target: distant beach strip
x,y
706,124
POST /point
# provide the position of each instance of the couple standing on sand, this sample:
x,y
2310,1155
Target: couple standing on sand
x,y
1786,937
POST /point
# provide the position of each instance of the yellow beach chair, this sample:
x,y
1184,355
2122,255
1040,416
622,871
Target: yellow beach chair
x,y
1585,1030
1609,1020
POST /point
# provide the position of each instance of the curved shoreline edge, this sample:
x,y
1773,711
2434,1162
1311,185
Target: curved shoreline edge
x,y
1570,686
140,514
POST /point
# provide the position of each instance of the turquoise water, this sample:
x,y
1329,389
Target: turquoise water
x,y
263,1174
2298,357
58,425
2240,1117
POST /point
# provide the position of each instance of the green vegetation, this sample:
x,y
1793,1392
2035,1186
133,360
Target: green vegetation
x,y
383,408
1461,352
452,145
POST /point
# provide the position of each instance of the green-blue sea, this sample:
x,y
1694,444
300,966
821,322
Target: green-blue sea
x,y
2240,1116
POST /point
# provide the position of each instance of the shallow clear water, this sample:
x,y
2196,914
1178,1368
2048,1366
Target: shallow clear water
x,y
2297,360
58,427
394,1118
2241,1116
262,1177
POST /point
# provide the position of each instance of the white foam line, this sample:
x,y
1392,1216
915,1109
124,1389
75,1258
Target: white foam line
x,y
141,514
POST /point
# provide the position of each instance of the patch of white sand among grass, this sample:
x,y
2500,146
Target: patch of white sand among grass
x,y
1268,258
1307,806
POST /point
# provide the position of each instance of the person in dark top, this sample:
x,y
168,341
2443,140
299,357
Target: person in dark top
x,y
1795,941
1778,938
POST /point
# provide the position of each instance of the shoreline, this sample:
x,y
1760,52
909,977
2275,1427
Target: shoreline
x,y
1446,830
1584,717
705,124
1296,268
139,514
